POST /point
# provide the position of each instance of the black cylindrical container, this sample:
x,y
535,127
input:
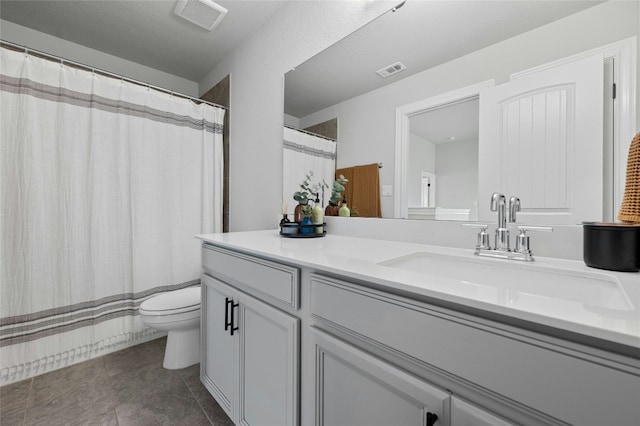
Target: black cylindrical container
x,y
612,246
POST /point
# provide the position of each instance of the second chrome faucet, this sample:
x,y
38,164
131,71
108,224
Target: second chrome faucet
x,y
501,246
499,204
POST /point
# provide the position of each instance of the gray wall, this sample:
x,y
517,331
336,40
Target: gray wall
x,y
457,174
422,159
297,32
361,142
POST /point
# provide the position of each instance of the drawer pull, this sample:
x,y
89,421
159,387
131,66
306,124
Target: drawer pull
x,y
227,323
228,315
233,327
431,419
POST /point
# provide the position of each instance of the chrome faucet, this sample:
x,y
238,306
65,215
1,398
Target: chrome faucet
x,y
499,204
501,249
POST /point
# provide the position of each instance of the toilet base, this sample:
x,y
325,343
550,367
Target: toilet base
x,y
183,349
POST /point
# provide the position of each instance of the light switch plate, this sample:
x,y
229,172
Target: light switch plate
x,y
386,190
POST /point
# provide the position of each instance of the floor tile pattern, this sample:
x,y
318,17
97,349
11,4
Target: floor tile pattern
x,y
124,388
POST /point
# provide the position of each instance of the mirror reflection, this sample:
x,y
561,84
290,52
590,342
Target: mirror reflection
x,y
442,169
445,46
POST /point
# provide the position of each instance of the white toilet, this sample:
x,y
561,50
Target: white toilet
x,y
178,313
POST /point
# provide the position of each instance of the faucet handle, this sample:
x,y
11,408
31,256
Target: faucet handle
x,y
525,228
522,240
483,237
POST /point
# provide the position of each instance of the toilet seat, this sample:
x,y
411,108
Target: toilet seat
x,y
172,303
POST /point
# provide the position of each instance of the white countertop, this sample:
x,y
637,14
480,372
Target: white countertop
x,y
358,258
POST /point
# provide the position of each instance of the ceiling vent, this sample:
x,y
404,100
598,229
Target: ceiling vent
x,y
203,13
391,69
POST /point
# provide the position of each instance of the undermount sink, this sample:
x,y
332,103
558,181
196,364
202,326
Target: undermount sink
x,y
515,282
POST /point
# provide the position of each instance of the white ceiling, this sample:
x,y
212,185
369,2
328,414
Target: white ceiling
x,y
455,122
146,32
421,35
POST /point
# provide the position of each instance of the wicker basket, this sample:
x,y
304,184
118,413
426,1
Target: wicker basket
x,y
630,210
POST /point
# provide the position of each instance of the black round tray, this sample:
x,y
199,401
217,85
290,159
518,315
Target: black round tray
x,y
311,234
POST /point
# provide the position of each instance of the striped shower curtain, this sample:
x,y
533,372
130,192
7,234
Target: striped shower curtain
x,y
103,185
302,153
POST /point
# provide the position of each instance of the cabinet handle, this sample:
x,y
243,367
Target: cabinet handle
x,y
227,323
431,419
233,306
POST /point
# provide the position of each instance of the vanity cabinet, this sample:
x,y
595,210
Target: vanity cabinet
x,y
285,343
250,354
355,388
524,376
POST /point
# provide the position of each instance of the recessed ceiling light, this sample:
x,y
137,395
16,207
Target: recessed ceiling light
x,y
203,13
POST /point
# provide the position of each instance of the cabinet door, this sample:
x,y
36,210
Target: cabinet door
x,y
268,365
354,388
464,414
218,346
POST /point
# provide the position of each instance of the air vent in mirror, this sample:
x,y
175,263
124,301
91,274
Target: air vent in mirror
x,y
391,69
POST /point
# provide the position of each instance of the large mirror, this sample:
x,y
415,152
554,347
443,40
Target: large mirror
x,y
434,51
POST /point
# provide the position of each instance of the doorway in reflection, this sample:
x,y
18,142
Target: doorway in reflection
x,y
442,176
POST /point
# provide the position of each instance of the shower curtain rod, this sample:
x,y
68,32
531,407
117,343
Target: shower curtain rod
x,y
62,60
311,133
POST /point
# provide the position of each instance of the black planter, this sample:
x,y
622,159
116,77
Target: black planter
x,y
611,246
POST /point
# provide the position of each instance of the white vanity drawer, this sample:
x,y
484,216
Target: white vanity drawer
x,y
564,384
276,282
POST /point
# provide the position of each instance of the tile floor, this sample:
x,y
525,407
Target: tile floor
x,y
124,388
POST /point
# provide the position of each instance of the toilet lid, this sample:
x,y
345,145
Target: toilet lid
x,y
185,299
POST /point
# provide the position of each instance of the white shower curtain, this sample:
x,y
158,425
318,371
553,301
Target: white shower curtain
x,y
302,153
104,184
